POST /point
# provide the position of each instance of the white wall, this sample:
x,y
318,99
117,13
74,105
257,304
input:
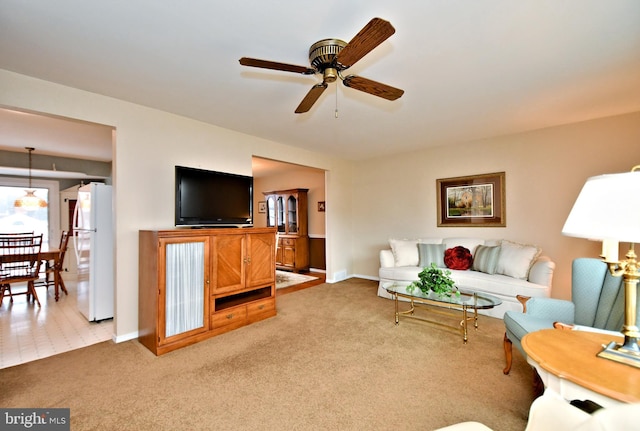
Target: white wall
x,y
545,171
148,144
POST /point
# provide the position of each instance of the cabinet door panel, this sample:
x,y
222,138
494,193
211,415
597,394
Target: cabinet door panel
x,y
228,263
271,211
292,214
185,293
280,214
289,256
262,250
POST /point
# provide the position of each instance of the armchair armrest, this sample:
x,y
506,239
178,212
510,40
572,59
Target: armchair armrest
x,y
556,310
598,330
386,259
523,300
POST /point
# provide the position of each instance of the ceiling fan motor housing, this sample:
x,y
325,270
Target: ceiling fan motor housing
x,y
322,54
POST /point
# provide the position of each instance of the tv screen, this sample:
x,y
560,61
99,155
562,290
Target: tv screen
x,y
208,198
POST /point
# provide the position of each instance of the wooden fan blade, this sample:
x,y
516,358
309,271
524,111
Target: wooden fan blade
x,y
372,87
371,35
274,65
311,98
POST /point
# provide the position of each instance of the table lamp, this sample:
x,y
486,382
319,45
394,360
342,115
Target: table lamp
x,y
608,209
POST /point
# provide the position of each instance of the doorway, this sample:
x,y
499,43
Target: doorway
x,y
271,175
70,152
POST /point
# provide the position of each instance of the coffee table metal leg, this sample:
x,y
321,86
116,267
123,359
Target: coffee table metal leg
x,y
396,300
464,324
475,310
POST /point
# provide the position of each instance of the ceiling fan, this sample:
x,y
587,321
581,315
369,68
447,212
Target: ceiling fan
x,y
330,57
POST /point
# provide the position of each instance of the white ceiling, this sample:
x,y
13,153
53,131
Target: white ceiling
x,y
471,69
54,136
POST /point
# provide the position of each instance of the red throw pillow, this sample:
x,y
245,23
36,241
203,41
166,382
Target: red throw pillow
x,y
458,258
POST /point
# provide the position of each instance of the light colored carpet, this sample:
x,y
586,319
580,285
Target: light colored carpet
x,y
287,279
332,359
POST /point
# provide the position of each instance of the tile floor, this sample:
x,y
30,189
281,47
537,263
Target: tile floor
x,y
29,332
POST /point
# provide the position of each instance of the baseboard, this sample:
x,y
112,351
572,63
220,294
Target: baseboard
x,y
122,338
366,277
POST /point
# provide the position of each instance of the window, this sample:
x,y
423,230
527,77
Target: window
x,y
41,220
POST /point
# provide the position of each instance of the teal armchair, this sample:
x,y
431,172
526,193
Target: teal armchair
x,y
597,302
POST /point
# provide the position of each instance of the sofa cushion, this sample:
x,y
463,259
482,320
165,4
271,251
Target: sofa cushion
x,y
400,273
486,258
521,324
458,257
429,253
516,259
405,251
497,284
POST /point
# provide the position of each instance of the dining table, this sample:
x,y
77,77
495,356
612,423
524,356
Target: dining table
x,y
49,257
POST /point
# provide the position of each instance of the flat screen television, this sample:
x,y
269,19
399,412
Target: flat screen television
x,y
211,198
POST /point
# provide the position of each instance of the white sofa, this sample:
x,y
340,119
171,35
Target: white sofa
x,y
501,268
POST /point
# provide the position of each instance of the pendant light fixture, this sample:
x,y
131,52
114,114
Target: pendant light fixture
x,y
30,201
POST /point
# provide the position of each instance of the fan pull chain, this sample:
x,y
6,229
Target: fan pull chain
x,y
336,112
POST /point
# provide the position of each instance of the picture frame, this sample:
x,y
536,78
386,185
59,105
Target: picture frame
x,y
472,201
262,207
321,206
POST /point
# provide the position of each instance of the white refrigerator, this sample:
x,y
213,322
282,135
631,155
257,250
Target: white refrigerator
x,y
93,241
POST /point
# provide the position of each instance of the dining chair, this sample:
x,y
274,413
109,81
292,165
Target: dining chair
x,y
5,289
54,267
19,263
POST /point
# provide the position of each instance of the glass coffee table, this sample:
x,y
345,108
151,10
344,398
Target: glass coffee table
x,y
467,301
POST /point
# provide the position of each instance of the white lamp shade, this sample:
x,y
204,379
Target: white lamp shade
x,y
608,207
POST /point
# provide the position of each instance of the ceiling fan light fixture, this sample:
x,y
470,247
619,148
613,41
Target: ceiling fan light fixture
x,y
330,74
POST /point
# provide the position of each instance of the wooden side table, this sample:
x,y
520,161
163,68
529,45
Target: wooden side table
x,y
567,363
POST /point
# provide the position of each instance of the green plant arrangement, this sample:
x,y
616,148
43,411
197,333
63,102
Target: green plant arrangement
x,y
435,279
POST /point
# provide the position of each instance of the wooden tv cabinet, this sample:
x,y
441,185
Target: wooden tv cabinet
x,y
198,283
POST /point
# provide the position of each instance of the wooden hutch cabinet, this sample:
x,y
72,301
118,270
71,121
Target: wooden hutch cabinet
x,y
197,283
287,211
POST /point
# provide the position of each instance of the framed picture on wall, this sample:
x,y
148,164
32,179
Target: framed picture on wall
x,y
262,207
472,201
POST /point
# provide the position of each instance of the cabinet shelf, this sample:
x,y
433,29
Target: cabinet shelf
x,y
229,301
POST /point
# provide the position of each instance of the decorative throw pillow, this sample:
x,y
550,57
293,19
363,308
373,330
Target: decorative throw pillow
x,y
405,251
458,257
431,253
469,243
486,259
516,259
